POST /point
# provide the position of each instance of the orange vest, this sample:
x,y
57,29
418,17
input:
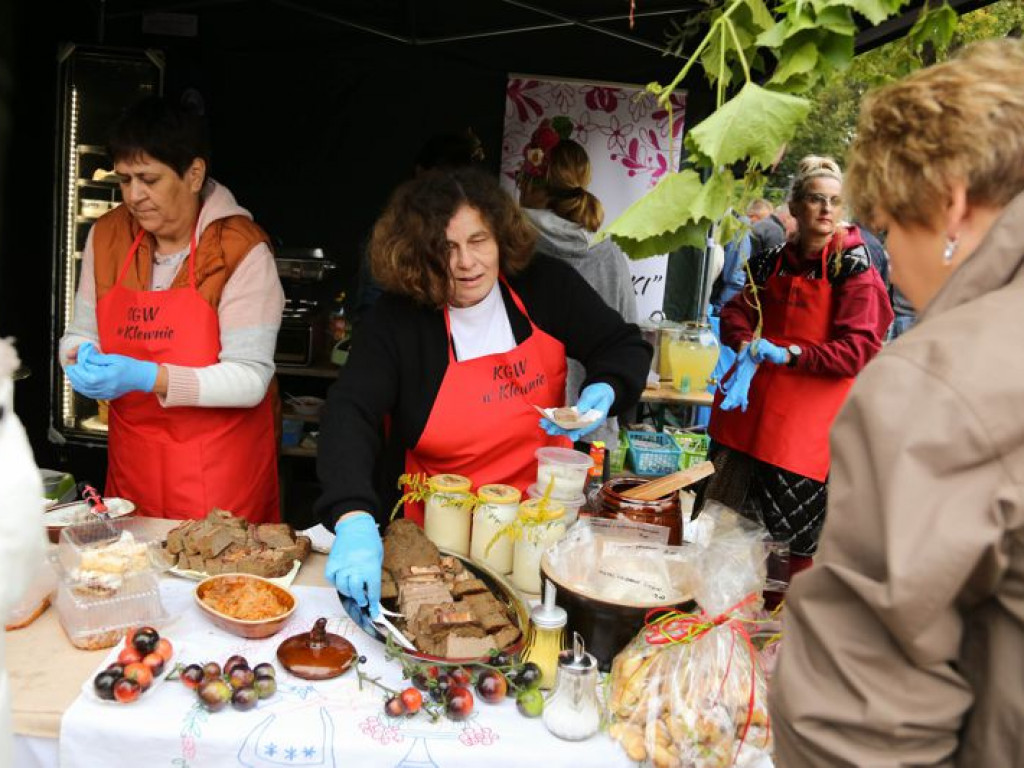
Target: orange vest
x,y
221,248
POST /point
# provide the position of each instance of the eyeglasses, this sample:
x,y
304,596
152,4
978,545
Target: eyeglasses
x,y
820,200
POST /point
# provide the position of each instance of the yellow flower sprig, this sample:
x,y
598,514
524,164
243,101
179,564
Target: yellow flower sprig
x,y
417,489
538,515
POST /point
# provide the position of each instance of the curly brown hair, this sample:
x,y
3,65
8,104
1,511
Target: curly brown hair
x,y
409,252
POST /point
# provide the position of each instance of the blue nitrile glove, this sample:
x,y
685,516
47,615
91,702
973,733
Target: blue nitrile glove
x,y
353,566
726,357
107,377
738,386
359,616
594,397
762,349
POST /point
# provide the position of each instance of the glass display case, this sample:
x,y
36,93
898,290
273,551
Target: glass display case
x,y
94,85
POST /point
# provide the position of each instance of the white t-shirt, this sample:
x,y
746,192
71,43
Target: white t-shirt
x,y
482,329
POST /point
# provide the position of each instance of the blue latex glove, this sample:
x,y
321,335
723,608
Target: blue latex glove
x,y
594,397
762,349
737,388
726,357
107,377
360,616
353,566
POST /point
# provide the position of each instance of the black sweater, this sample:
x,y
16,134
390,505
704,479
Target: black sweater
x,y
399,357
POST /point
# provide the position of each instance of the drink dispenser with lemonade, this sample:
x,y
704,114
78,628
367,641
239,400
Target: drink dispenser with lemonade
x,y
693,354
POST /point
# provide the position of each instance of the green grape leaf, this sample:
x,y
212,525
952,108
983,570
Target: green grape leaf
x,y
692,235
935,25
795,60
837,50
775,36
875,11
754,124
836,19
729,228
760,16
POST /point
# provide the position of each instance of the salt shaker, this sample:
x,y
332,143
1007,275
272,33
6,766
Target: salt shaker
x,y
572,712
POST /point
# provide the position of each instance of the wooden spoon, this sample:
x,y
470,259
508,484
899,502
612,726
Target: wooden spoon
x,y
655,489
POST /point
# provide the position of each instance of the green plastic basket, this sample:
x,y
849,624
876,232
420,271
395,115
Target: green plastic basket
x,y
653,453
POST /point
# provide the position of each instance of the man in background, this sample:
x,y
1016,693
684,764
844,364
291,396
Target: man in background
x,y
772,230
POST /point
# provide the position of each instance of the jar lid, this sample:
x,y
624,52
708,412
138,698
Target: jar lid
x,y
549,454
577,659
496,493
541,509
449,483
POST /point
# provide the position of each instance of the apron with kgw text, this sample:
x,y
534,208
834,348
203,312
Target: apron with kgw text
x,y
182,462
483,424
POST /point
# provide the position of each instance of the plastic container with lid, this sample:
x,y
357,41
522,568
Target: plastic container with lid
x,y
120,546
566,467
447,515
542,523
572,506
498,506
94,622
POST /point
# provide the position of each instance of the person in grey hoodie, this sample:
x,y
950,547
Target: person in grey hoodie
x,y
553,193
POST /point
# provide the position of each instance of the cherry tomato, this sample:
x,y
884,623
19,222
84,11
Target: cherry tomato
x,y
412,699
140,673
460,676
164,648
460,703
155,662
126,690
129,656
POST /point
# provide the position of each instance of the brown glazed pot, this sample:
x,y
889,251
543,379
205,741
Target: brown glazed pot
x,y
664,511
605,626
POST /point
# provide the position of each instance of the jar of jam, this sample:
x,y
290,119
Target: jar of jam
x,y
447,513
665,511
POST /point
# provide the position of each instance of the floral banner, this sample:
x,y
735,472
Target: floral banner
x,y
627,136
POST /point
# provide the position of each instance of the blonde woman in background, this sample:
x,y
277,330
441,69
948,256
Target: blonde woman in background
x,y
824,312
21,524
553,193
904,645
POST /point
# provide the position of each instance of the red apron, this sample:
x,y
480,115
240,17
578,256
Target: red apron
x,y
182,462
790,412
483,424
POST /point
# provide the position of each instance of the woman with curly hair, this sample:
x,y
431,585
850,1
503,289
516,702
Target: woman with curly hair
x,y
903,643
472,332
812,317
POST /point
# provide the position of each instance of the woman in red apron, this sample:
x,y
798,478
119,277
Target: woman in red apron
x,y
447,368
163,277
825,312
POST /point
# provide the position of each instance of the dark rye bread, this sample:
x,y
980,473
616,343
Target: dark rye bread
x,y
223,543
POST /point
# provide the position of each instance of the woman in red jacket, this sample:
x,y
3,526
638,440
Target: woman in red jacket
x,y
812,317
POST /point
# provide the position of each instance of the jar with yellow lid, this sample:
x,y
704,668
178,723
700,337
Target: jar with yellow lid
x,y
497,506
447,512
541,523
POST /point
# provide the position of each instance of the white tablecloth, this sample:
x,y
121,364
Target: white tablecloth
x,y
330,723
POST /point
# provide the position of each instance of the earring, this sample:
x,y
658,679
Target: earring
x,y
947,254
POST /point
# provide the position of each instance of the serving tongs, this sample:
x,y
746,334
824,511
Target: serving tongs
x,y
383,623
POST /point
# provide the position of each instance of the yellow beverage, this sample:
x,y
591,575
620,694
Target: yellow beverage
x,y
692,364
668,336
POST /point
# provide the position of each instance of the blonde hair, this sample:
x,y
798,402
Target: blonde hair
x,y
962,120
760,206
813,167
563,189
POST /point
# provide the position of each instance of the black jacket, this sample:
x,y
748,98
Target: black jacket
x,y
399,357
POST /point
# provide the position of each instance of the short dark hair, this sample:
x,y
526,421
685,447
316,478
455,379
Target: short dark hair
x,y
173,134
409,248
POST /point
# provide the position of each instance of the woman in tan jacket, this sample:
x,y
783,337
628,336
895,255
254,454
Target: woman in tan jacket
x,y
904,645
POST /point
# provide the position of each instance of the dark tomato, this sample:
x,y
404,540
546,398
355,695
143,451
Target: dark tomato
x,y
235,661
140,673
241,677
460,703
117,669
491,686
145,639
211,670
394,707
265,687
265,670
244,699
214,694
529,675
104,684
460,676
192,676
439,689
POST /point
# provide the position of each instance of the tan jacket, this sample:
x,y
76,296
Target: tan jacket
x,y
904,644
